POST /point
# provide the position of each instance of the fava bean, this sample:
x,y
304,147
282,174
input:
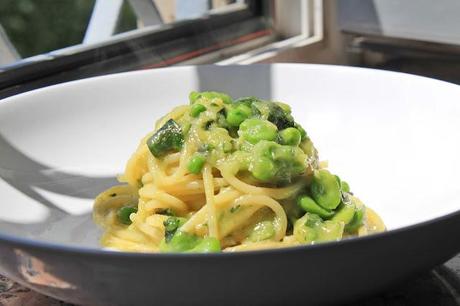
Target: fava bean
x,y
254,130
356,221
263,169
309,205
325,189
344,213
345,186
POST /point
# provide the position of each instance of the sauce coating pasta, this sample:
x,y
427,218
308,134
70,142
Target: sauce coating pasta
x,y
228,175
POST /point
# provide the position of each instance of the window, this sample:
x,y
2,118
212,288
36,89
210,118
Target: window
x,y
69,39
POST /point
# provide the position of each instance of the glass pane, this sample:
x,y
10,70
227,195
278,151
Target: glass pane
x,y
34,27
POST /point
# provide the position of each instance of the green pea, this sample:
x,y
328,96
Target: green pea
x,y
227,146
253,130
344,213
325,189
197,109
263,169
196,163
206,245
309,205
262,231
357,220
290,136
193,96
237,115
180,242
124,213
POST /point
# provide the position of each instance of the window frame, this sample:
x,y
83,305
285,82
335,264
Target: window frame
x,y
299,23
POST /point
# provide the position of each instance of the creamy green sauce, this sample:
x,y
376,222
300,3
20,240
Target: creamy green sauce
x,y
249,135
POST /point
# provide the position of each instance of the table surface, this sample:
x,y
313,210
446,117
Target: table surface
x,y
438,287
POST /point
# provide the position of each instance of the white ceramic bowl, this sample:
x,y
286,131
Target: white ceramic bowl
x,y
392,136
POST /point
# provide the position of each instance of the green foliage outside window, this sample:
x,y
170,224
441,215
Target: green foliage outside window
x,y
40,26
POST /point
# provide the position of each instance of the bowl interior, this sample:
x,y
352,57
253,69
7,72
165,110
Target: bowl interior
x,y
390,135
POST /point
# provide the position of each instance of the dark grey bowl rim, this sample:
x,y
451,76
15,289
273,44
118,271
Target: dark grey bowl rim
x,y
88,251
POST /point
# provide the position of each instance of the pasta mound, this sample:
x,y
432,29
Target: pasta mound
x,y
228,175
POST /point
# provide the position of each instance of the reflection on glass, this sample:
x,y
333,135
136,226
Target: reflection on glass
x,y
33,27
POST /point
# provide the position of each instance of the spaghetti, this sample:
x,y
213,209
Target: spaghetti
x,y
228,175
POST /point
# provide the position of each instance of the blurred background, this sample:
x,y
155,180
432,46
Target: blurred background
x,y
45,42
